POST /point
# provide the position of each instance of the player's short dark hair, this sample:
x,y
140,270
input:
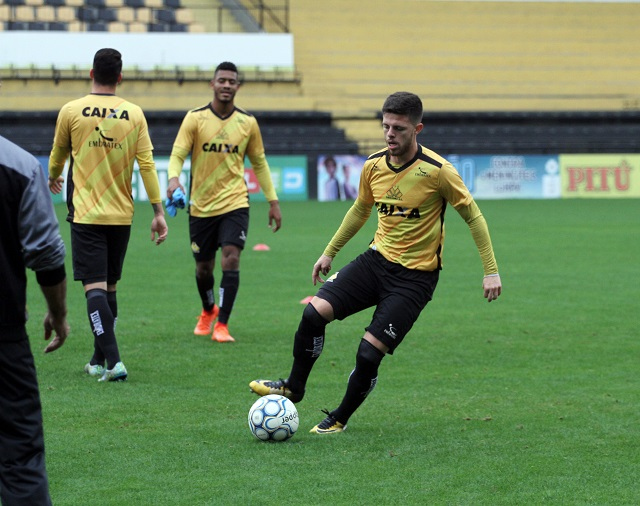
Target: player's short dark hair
x,y
107,66
404,104
227,65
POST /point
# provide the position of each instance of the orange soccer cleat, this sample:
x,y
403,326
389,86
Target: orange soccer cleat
x,y
205,322
221,333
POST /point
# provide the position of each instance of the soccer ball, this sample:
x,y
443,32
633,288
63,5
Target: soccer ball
x,y
273,418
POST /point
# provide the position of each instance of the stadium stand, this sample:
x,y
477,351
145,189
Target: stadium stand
x,y
521,77
283,132
98,15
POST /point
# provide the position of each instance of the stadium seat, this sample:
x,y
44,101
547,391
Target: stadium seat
x,y
66,14
57,26
117,27
196,28
135,3
137,27
165,16
5,13
33,3
154,4
178,27
46,13
172,4
14,2
18,25
37,26
158,27
88,14
55,3
184,16
95,3
24,13
108,15
98,26
144,15
126,15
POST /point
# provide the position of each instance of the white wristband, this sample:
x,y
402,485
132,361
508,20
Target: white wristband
x,y
492,275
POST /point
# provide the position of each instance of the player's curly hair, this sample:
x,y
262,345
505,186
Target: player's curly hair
x,y
107,66
405,104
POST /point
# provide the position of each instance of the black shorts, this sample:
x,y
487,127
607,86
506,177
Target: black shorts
x,y
399,294
98,252
209,234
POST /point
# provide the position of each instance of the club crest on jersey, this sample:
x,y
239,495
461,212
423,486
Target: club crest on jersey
x,y
394,193
105,112
212,147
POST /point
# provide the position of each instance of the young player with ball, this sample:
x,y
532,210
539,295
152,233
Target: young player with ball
x,y
409,186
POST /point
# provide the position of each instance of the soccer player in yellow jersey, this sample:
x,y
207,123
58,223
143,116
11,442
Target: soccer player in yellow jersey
x,y
218,136
104,134
409,186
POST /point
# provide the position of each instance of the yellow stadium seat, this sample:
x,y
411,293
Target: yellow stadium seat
x,y
137,27
144,15
126,15
5,13
117,27
24,13
184,16
66,14
45,13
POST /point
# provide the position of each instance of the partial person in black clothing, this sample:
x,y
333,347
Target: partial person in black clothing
x,y
30,239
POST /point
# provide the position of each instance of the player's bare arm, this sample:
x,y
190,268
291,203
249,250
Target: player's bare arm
x,y
158,225
275,216
323,265
492,287
55,184
172,184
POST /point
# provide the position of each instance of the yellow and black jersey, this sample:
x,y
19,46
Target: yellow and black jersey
x,y
103,134
218,146
411,202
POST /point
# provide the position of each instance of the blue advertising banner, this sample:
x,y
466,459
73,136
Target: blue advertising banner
x,y
509,176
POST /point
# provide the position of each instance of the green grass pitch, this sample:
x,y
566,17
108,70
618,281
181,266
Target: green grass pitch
x,y
533,399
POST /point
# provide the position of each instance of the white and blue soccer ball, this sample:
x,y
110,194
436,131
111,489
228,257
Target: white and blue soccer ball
x,y
273,418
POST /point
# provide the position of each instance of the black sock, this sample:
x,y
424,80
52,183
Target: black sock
x,y
205,289
362,381
307,347
228,291
98,357
102,325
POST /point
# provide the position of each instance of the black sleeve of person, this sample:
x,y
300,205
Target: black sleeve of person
x,y
51,277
